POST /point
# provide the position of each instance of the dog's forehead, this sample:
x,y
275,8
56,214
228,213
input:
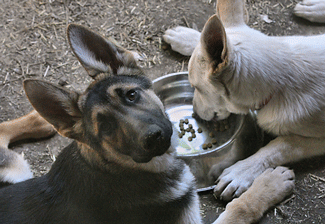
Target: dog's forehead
x,y
121,81
104,89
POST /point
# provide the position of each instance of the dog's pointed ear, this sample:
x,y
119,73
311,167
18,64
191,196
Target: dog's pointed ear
x,y
99,55
214,41
56,105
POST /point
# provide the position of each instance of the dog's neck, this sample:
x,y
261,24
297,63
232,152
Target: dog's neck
x,y
263,103
114,160
103,183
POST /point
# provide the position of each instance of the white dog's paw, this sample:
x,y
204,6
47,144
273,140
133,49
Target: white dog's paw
x,y
236,179
15,170
273,185
312,10
217,169
182,39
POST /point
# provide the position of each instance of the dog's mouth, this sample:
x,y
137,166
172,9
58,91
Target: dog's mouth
x,y
155,142
201,120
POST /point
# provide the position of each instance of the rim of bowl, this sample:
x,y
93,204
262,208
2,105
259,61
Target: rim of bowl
x,y
217,149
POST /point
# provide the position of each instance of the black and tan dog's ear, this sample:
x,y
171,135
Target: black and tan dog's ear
x,y
56,105
97,54
214,41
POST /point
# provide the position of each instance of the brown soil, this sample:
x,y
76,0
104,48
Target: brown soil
x,y
33,44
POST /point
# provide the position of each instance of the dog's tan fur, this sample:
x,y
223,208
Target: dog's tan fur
x,y
235,68
13,167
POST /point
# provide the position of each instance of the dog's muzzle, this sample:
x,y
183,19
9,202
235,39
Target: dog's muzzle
x,y
155,142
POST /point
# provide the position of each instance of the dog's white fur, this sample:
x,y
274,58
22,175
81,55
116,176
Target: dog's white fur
x,y
235,69
13,167
312,10
184,40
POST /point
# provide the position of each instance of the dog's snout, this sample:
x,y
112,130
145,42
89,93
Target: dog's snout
x,y
157,139
156,135
153,136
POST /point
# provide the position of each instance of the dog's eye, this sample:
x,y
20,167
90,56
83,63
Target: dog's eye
x,y
131,95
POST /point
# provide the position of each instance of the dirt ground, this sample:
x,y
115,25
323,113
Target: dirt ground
x,y
33,45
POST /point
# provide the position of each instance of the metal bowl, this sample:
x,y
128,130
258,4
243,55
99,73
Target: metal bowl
x,y
242,138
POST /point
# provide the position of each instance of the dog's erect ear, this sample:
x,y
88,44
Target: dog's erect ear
x,y
56,105
98,55
214,41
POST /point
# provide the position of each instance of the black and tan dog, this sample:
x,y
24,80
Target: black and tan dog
x,y
120,168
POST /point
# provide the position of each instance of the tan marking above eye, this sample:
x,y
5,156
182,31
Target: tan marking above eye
x,y
127,87
95,111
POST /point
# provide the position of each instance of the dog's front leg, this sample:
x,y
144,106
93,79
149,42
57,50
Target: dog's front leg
x,y
312,10
284,149
267,190
182,39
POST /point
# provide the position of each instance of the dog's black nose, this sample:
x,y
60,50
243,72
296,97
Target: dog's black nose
x,y
156,136
153,137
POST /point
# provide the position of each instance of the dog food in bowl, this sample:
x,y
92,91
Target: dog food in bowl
x,y
194,134
205,146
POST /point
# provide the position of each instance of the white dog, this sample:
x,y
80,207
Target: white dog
x,y
184,40
235,68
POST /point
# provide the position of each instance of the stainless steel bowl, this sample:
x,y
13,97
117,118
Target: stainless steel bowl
x,y
241,139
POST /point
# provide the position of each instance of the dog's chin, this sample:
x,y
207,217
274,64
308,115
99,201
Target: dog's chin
x,y
145,159
220,117
142,159
148,156
212,117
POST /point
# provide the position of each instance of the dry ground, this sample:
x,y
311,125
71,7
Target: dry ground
x,y
33,44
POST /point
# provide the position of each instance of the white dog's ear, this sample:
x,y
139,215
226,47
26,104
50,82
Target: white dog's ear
x,y
214,41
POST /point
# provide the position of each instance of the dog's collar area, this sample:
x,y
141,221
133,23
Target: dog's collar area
x,y
263,103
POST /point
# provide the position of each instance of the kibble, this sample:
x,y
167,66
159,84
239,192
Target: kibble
x,y
214,127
